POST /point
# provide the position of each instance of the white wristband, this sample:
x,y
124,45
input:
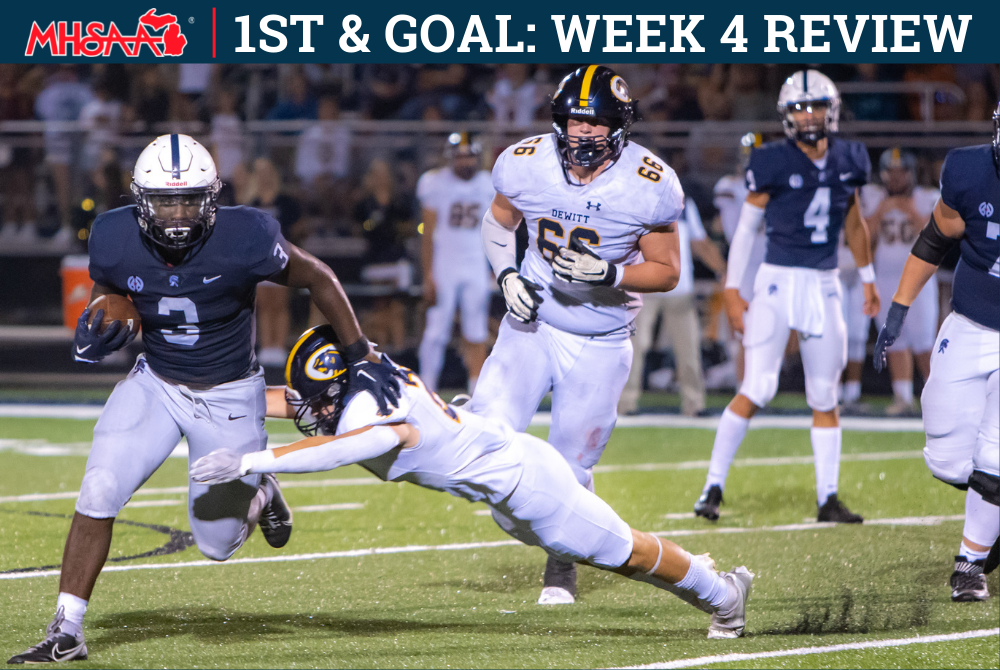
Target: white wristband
x,y
619,274
255,459
867,274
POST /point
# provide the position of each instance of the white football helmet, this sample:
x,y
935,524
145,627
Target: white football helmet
x,y
801,92
176,188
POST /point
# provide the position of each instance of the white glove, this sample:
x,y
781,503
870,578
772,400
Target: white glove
x,y
219,467
577,263
521,295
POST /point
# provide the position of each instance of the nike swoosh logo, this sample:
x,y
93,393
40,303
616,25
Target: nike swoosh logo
x,y
362,372
233,418
209,280
844,176
60,655
80,350
498,244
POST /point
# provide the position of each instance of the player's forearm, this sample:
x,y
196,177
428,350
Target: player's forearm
x,y
857,237
708,253
499,243
751,219
916,273
427,243
306,271
277,406
650,277
322,452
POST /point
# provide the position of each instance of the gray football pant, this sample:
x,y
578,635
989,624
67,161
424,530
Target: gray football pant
x,y
141,424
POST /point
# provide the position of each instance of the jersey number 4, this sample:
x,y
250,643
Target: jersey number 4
x,y
817,215
186,334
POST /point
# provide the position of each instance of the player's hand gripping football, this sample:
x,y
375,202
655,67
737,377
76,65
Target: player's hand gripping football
x,y
219,467
90,345
521,295
890,331
381,379
578,263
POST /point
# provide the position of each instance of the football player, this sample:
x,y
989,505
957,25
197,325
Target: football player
x,y
532,492
452,202
191,268
805,189
600,214
961,400
902,210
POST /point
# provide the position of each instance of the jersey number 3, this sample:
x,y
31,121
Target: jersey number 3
x,y
818,215
186,334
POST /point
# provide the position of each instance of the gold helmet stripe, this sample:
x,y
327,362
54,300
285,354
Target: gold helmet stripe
x,y
588,77
291,355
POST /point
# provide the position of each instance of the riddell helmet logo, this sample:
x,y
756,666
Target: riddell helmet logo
x,y
160,32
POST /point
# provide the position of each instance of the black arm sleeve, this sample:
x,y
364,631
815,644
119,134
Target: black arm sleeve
x,y
932,245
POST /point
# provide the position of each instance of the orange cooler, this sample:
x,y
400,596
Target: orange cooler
x,y
77,285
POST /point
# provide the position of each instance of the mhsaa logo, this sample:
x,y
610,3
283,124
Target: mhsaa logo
x,y
160,32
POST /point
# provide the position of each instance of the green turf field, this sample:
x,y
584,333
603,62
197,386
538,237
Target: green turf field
x,y
473,605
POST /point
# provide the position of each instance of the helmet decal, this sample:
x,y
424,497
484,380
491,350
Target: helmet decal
x,y
322,365
620,89
175,156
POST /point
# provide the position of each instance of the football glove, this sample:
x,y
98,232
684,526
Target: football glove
x,y
219,467
521,295
577,263
380,379
90,345
890,331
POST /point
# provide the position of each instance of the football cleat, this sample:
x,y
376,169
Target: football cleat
x,y
968,583
55,648
559,583
835,511
993,558
709,502
729,621
276,517
460,400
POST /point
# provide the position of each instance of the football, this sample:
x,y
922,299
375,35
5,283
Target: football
x,y
116,308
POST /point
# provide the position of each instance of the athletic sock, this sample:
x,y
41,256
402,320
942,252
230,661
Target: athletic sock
x,y
982,524
702,586
728,437
852,391
826,453
903,390
73,609
970,554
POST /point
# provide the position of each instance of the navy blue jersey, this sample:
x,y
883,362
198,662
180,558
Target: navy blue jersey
x,y
198,316
807,204
970,186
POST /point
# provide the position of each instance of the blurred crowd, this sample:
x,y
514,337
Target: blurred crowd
x,y
336,196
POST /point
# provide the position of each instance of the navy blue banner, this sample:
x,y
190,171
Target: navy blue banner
x,y
643,31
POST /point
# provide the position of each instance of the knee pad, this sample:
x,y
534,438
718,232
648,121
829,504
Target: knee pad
x,y
951,472
986,485
760,390
821,395
100,497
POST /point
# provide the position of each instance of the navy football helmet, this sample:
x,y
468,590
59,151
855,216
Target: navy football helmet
x,y
316,376
599,96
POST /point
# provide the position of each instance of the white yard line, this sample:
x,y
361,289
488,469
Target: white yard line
x,y
876,424
904,521
634,467
806,651
329,508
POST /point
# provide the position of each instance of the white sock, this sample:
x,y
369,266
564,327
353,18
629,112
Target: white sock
x,y
852,391
970,554
705,583
73,610
903,390
728,437
826,452
982,524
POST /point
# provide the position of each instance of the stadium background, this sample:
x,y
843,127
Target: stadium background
x,y
316,143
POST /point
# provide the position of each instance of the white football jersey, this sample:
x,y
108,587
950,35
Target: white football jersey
x,y
460,205
461,453
636,195
895,230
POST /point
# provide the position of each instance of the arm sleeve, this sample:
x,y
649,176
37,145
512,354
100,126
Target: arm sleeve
x,y
499,243
335,453
267,245
751,218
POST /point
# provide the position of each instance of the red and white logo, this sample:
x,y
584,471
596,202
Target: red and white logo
x,y
159,32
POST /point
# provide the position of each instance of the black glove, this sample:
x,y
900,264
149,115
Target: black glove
x,y
90,345
380,379
890,331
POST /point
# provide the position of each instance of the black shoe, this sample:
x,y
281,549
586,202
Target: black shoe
x,y
968,583
55,648
835,511
276,517
559,583
992,559
708,504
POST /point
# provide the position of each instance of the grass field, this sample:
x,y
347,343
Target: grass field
x,y
471,603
